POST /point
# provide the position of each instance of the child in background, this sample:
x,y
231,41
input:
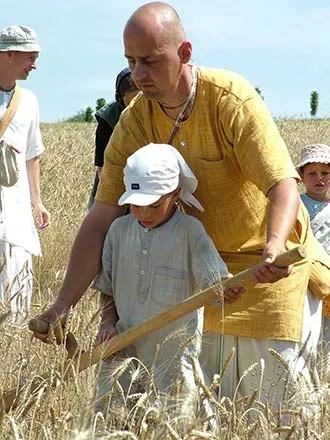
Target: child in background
x,y
153,258
107,118
314,169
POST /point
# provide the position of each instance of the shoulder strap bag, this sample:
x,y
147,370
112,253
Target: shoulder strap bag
x,y
8,164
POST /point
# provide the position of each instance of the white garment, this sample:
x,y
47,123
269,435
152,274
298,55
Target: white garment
x,y
16,220
149,270
320,222
216,349
15,278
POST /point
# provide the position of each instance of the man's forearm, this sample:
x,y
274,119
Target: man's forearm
x,y
33,172
283,210
85,259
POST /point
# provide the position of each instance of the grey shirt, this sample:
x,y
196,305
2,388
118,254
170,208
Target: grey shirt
x,y
148,270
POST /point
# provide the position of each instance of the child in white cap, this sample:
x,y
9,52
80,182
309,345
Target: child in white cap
x,y
314,169
154,258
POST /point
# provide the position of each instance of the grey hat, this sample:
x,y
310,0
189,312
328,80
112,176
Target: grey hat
x,y
314,153
19,38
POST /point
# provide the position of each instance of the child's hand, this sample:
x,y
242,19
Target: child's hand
x,y
229,295
105,334
232,294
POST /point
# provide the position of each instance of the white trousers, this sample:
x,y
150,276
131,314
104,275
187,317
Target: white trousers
x,y
15,279
294,363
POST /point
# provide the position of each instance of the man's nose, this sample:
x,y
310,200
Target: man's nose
x,y
139,71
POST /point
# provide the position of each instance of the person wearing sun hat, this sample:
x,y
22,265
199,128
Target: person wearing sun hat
x,y
19,240
314,169
154,258
19,38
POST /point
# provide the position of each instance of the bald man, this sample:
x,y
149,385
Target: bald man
x,y
247,184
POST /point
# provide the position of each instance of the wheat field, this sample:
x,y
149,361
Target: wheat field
x,y
63,410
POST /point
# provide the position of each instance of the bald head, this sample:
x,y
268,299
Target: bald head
x,y
158,53
158,20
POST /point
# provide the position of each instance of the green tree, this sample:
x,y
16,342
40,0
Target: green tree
x,y
89,115
314,103
100,103
78,117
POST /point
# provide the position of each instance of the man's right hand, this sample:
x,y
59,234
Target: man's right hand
x,y
48,327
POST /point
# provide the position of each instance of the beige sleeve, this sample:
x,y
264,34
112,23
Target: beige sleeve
x,y
259,148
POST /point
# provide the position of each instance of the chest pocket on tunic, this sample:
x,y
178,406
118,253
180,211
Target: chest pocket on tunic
x,y
169,286
218,176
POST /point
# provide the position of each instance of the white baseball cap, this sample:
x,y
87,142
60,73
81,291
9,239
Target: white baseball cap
x,y
314,153
155,170
19,38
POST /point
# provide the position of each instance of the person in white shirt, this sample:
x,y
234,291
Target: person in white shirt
x,y
19,240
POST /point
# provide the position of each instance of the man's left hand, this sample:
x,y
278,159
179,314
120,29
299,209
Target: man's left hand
x,y
42,215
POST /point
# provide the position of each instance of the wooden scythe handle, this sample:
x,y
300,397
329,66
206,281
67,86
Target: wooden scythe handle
x,y
105,350
194,302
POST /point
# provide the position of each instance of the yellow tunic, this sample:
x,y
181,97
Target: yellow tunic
x,y
235,150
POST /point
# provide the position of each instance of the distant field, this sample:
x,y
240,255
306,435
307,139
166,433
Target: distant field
x,y
65,412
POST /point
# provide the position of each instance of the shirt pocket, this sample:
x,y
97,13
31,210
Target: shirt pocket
x,y
217,177
169,286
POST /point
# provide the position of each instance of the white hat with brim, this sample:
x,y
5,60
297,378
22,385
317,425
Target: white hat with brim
x,y
138,199
314,153
19,38
155,170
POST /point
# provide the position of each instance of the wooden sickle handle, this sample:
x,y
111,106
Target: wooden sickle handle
x,y
194,302
283,260
133,334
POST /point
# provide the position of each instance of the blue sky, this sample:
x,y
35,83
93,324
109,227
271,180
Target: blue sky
x,y
282,47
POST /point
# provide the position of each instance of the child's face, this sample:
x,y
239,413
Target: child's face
x,y
159,212
316,177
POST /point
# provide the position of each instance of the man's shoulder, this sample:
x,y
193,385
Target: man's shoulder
x,y
227,81
27,94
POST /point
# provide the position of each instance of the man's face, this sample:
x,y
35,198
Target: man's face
x,y
155,64
22,63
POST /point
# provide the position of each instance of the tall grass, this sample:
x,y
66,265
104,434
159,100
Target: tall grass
x,y
64,409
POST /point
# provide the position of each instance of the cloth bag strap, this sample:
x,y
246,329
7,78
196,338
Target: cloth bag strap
x,y
11,110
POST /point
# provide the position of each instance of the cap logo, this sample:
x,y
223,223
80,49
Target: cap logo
x,y
135,186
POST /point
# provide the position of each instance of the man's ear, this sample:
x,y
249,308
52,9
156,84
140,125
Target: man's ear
x,y
185,52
